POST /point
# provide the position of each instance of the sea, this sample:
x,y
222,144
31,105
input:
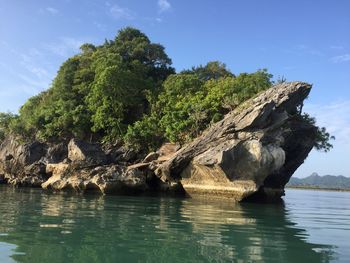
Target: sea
x,y
38,227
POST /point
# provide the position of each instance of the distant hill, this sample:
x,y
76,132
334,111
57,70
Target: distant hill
x,y
322,182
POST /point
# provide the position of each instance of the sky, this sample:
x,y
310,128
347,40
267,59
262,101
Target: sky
x,y
298,40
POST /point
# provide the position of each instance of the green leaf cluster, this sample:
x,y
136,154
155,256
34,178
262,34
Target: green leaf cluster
x,y
323,138
97,93
192,100
127,90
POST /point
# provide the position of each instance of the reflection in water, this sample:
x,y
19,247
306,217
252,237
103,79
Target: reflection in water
x,y
42,227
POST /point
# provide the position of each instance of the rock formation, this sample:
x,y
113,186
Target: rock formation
x,y
249,155
252,152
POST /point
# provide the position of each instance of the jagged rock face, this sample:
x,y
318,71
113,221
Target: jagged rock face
x,y
57,153
106,179
256,147
22,154
76,165
80,151
299,141
249,155
22,164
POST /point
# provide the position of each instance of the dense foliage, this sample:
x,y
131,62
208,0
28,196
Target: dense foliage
x,y
192,100
126,90
98,92
323,138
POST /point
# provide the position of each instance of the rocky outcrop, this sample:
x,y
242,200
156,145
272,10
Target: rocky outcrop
x,y
249,155
80,151
254,150
22,164
106,179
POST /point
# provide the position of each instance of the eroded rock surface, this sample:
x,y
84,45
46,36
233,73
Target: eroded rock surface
x,y
80,151
107,179
255,149
22,164
249,155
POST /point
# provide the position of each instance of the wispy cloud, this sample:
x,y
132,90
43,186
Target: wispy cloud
x,y
32,86
100,26
341,58
163,5
336,47
28,62
49,10
118,12
303,49
335,117
65,46
309,50
52,10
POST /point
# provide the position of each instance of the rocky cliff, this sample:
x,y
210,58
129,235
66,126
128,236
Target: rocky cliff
x,y
249,155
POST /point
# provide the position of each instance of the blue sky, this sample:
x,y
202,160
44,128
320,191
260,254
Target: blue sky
x,y
300,40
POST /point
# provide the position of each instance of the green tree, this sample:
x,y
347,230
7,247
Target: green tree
x,y
212,70
126,89
5,123
99,92
323,138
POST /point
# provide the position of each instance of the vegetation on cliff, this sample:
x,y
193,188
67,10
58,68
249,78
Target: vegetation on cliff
x,y
126,90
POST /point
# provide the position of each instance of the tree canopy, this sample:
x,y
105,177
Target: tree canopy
x,y
126,90
99,92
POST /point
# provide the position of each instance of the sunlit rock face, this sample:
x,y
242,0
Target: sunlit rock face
x,y
252,152
234,172
249,155
106,179
80,151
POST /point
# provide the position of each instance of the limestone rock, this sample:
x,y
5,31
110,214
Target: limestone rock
x,y
107,179
249,155
250,150
80,151
21,164
151,157
57,153
23,154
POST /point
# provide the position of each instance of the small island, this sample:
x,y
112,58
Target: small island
x,y
119,119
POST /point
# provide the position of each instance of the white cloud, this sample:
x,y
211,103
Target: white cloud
x,y
49,10
303,49
118,12
65,46
52,10
28,73
335,117
29,63
341,58
32,86
336,47
100,26
163,5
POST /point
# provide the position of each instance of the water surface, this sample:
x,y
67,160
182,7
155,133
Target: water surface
x,y
36,226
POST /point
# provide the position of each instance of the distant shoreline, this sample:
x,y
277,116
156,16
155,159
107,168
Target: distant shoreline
x,y
318,188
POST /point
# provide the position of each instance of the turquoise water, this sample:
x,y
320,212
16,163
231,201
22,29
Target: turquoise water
x,y
312,226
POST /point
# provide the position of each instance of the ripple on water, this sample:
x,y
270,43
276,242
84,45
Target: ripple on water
x,y
311,227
